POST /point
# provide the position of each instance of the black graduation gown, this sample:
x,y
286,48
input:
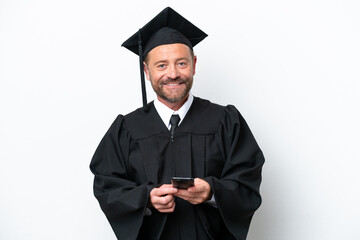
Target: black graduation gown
x,y
212,142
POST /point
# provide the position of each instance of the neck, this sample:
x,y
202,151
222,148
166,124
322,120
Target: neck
x,y
173,105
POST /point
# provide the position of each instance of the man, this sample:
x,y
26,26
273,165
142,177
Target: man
x,y
176,135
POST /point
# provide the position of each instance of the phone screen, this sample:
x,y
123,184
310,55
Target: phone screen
x,y
182,182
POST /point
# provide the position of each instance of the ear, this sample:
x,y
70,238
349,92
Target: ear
x,y
146,70
194,64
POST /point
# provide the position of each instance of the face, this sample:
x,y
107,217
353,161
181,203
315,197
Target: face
x,y
171,68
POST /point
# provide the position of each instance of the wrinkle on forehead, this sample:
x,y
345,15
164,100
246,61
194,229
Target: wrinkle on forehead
x,y
169,52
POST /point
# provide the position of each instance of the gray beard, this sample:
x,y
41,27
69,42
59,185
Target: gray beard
x,y
163,95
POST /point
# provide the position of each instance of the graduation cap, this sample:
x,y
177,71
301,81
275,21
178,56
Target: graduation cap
x,y
167,27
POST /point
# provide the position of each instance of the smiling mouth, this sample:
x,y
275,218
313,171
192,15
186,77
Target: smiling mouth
x,y
172,84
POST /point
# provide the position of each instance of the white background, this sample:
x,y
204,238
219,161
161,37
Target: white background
x,y
290,67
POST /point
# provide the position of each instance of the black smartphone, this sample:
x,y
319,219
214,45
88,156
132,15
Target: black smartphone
x,y
182,182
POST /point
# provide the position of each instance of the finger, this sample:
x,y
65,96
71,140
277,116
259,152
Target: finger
x,y
186,198
200,185
192,200
167,210
163,200
192,197
166,186
193,189
166,200
160,200
163,191
166,207
186,195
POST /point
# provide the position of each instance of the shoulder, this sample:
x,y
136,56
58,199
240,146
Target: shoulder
x,y
216,109
221,116
205,106
143,124
205,117
137,114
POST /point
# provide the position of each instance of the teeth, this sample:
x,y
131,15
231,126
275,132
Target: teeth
x,y
172,84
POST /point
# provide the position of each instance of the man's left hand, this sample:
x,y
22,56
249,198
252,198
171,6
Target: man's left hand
x,y
200,193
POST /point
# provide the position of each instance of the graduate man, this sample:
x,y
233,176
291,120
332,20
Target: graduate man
x,y
176,135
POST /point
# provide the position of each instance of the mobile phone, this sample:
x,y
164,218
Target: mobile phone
x,y
182,182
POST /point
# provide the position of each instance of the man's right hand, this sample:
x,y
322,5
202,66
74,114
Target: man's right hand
x,y
162,198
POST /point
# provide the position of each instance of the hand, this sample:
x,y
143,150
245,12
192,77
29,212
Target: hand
x,y
200,193
162,198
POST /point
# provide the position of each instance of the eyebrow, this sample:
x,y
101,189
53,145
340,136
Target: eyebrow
x,y
183,58
160,61
165,61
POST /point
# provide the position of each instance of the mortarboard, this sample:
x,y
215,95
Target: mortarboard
x,y
167,27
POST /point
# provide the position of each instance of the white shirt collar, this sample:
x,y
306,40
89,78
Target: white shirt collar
x,y
166,112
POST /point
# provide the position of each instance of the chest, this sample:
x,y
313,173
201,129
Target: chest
x,y
157,159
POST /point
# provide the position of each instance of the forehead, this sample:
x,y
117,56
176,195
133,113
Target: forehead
x,y
169,51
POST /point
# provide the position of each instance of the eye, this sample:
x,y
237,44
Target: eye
x,y
182,64
161,66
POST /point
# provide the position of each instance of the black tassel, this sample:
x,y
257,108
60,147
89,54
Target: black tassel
x,y
143,88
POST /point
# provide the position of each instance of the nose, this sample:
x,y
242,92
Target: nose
x,y
173,72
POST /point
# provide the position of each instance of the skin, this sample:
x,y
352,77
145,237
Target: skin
x,y
170,69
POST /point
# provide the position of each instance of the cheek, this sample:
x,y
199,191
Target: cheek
x,y
187,72
156,77
152,75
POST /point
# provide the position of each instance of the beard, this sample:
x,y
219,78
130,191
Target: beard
x,y
172,95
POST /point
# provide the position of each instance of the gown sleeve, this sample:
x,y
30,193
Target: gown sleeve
x,y
236,191
123,201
